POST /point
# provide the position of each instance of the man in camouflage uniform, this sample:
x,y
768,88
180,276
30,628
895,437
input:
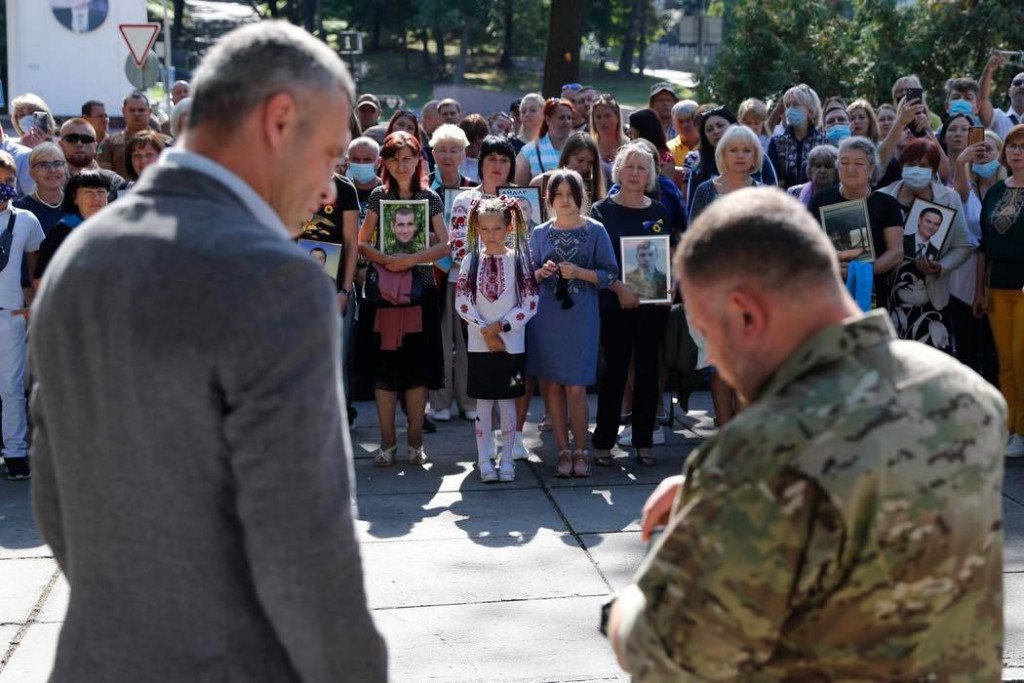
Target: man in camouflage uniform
x,y
847,524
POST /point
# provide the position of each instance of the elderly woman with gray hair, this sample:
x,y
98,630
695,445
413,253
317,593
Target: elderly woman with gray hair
x,y
630,329
821,173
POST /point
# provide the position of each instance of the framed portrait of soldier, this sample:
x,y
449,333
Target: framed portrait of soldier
x,y
403,226
849,229
528,199
927,229
646,263
327,254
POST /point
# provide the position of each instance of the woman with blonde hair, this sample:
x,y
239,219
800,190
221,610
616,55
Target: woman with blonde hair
x,y
863,122
606,127
531,118
23,110
738,156
753,113
788,150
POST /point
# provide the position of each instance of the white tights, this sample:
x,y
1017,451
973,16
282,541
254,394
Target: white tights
x,y
484,427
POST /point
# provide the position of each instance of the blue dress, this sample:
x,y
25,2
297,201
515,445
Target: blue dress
x,y
561,343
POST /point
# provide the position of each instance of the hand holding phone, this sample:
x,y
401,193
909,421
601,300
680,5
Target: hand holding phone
x,y
915,94
42,122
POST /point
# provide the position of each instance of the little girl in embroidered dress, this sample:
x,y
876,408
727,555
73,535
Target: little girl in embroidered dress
x,y
496,295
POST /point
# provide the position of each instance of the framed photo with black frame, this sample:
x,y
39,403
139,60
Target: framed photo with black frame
x,y
848,227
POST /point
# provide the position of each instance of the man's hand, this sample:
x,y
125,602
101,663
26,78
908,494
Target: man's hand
x,y
658,506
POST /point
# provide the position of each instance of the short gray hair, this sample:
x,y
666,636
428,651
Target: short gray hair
x,y
739,133
824,153
449,132
684,108
43,149
257,61
182,108
636,148
859,144
364,141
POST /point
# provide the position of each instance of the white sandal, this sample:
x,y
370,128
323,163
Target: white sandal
x,y
384,457
417,456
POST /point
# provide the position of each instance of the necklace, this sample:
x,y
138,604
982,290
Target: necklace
x,y
35,193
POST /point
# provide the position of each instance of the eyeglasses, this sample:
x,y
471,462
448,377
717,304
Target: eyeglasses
x,y
78,139
50,165
572,86
1014,147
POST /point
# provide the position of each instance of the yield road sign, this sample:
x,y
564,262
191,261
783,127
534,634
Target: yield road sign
x,y
140,39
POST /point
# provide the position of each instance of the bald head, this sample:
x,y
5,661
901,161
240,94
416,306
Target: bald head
x,y
762,235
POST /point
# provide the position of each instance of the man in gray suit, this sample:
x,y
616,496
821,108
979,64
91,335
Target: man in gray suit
x,y
192,466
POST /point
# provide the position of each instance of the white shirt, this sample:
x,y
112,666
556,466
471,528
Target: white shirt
x,y
28,235
483,311
1002,123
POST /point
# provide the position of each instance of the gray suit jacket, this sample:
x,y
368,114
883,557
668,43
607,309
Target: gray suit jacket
x,y
190,463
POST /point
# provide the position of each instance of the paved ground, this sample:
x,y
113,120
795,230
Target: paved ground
x,y
467,581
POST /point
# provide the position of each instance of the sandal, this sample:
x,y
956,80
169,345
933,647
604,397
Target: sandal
x,y
545,424
417,456
385,457
603,457
581,465
563,468
645,457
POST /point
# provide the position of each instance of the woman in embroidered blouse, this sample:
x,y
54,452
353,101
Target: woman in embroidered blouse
x,y
401,345
1002,244
573,258
542,155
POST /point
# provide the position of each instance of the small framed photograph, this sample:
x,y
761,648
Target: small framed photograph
x,y
327,254
927,229
450,193
403,226
849,229
646,263
529,202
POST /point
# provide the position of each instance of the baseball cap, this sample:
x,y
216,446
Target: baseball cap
x,y
368,99
664,86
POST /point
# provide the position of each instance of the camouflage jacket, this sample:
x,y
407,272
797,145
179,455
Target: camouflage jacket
x,y
847,526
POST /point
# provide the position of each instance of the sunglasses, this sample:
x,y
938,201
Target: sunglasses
x,y
75,139
572,86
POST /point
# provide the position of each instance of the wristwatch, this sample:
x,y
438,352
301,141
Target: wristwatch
x,y
506,326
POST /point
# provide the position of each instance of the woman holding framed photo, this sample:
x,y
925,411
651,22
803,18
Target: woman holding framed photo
x,y
1002,244
919,286
629,329
399,336
856,161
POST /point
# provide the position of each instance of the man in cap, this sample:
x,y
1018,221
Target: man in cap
x,y
368,111
848,524
663,97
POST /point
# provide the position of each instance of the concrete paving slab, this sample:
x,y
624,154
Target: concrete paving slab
x,y
617,555
56,605
33,658
21,584
445,572
18,534
532,640
1013,621
495,513
435,476
1013,485
603,509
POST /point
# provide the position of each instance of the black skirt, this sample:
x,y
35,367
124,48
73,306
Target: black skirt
x,y
496,376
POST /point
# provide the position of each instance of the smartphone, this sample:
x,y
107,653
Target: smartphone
x,y
914,94
42,122
976,135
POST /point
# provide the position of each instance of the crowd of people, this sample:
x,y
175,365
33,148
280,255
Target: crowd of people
x,y
648,172
190,455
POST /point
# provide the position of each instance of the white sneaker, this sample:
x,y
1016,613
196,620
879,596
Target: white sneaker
x,y
507,471
471,415
519,451
443,415
1015,446
488,474
626,436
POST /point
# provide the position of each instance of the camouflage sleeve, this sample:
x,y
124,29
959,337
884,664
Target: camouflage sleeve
x,y
716,588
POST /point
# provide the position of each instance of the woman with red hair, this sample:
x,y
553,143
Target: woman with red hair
x,y
919,292
399,340
542,155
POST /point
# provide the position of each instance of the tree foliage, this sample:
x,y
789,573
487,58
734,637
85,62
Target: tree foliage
x,y
857,48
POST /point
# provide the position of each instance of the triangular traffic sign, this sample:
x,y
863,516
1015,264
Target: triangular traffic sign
x,y
140,39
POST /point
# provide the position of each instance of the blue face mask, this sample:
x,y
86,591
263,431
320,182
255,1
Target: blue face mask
x,y
961,107
916,177
795,116
362,173
7,192
986,170
837,134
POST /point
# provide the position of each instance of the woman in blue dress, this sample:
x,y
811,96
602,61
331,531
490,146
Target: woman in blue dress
x,y
573,258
